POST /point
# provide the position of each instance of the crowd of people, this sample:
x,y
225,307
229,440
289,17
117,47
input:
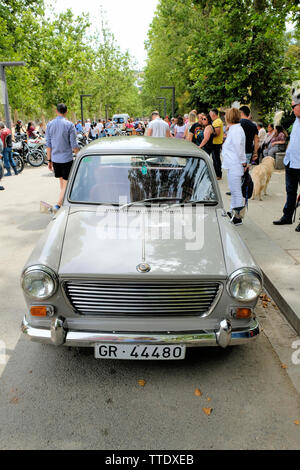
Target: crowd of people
x,y
232,139
235,142
107,128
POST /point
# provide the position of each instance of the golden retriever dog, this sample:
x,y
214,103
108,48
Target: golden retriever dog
x,y
261,175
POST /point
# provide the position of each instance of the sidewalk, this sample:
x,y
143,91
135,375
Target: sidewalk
x,y
275,248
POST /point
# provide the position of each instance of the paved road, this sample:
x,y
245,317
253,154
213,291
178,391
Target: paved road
x,y
65,399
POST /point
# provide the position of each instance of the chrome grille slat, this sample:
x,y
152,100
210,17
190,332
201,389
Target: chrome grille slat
x,y
152,306
142,298
84,289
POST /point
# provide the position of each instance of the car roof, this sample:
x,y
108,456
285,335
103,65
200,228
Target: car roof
x,y
145,145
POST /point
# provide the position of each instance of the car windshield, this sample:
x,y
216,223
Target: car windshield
x,y
121,179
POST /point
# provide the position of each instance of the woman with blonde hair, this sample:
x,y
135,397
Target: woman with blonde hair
x,y
234,161
191,121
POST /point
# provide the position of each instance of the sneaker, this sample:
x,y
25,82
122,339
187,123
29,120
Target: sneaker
x,y
297,229
2,189
282,221
236,221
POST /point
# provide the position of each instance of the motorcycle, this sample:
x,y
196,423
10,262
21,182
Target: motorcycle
x,y
31,151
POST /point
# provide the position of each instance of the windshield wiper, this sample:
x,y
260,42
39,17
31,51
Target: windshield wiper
x,y
206,203
151,199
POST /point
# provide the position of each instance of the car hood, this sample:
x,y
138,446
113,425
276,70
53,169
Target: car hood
x,y
112,242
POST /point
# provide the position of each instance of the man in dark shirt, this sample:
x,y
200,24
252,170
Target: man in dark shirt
x,y
251,132
195,129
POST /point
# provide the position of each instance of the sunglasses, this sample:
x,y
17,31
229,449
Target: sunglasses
x,y
294,105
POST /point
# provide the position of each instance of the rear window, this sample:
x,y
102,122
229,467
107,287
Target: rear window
x,y
118,179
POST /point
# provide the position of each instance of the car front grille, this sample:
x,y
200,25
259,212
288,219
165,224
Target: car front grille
x,y
155,297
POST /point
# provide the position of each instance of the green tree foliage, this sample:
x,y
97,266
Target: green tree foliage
x,y
217,52
63,60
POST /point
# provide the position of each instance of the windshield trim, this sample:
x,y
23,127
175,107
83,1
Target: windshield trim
x,y
77,162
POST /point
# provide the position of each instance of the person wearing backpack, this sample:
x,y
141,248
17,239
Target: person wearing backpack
x,y
234,161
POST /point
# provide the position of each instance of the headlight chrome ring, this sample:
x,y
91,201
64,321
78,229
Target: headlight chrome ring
x,y
39,282
244,285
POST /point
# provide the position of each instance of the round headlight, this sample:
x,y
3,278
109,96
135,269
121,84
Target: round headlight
x,y
245,285
39,282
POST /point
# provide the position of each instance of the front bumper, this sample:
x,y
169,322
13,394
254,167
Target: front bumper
x,y
58,335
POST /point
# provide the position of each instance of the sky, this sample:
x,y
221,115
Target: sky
x,y
128,21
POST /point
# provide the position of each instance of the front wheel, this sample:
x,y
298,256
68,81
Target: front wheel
x,y
19,162
35,158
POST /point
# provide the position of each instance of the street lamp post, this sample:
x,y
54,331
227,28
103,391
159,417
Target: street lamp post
x,y
81,106
5,101
173,97
165,103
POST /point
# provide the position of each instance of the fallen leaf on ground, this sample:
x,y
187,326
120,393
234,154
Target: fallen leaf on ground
x,y
198,392
284,366
208,398
297,422
207,411
265,298
14,400
141,382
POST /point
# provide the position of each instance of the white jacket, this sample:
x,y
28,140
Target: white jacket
x,y
233,150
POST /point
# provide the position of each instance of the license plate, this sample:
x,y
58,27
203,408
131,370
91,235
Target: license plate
x,y
139,351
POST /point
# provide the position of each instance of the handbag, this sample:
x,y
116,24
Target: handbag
x,y
247,186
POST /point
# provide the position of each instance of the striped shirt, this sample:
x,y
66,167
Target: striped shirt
x,y
292,154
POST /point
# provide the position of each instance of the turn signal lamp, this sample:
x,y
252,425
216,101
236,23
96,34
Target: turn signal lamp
x,y
243,313
39,311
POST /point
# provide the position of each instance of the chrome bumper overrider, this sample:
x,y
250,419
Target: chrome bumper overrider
x,y
59,335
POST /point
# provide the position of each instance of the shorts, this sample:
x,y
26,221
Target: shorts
x,y
62,170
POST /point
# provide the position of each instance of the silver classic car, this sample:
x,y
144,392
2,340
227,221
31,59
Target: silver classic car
x,y
141,261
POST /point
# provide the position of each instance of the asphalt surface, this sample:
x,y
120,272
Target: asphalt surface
x,y
60,398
